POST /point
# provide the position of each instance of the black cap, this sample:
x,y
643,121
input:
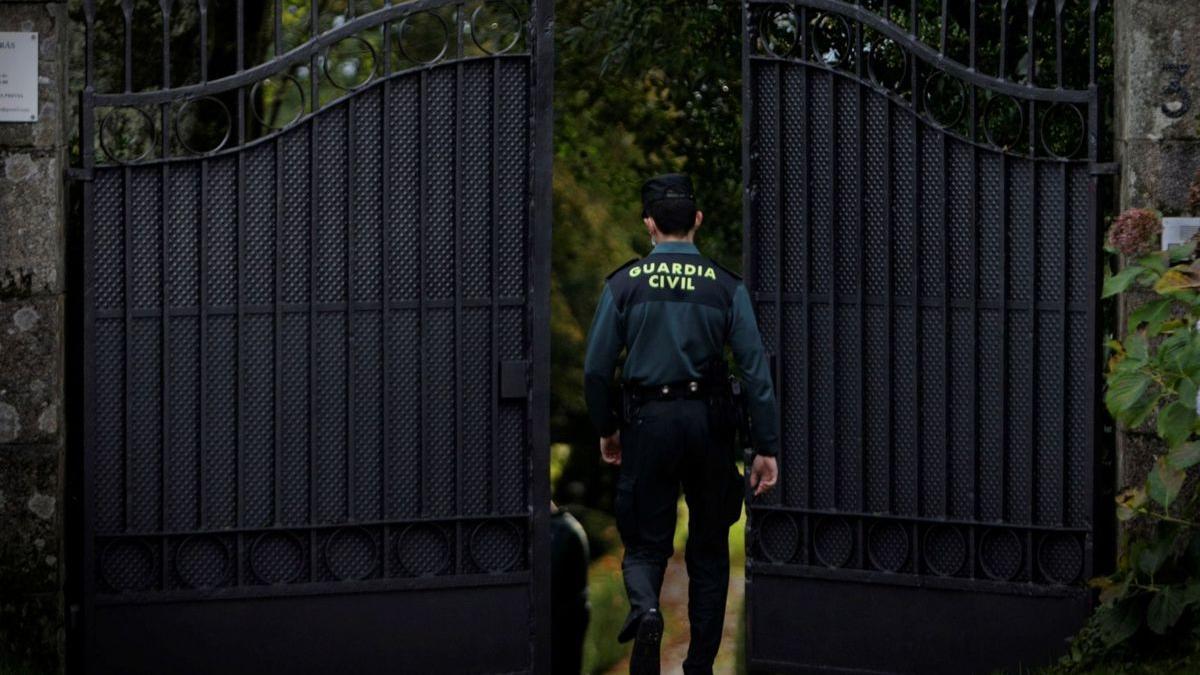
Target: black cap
x,y
666,186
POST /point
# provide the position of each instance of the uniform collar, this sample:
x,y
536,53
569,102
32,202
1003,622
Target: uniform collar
x,y
675,247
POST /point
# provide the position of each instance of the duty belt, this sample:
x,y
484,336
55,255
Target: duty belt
x,y
696,389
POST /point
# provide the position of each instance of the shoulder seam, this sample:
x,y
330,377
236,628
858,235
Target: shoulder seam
x,y
623,266
725,269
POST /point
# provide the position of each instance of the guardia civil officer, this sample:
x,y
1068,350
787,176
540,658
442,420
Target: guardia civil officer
x,y
672,313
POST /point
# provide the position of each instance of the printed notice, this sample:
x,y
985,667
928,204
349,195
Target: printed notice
x,y
18,77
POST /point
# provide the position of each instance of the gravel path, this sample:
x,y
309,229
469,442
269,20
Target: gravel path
x,y
674,607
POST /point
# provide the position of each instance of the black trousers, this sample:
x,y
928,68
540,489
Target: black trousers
x,y
667,445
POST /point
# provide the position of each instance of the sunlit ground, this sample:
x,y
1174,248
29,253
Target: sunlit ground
x,y
602,652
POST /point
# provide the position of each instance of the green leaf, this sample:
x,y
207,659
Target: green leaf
x,y
1150,558
1165,609
1125,390
1120,622
1185,456
1175,421
1121,281
1181,252
1153,314
1164,482
1156,262
1137,347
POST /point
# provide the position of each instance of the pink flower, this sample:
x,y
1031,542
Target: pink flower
x,y
1133,232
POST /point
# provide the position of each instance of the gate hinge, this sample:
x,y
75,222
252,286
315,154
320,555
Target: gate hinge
x,y
80,173
1105,169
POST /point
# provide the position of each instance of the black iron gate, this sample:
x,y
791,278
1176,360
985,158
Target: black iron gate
x,y
922,246
316,336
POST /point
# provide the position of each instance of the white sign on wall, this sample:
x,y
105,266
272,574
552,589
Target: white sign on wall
x,y
18,77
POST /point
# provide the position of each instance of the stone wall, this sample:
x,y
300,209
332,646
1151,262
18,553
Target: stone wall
x,y
32,284
1157,140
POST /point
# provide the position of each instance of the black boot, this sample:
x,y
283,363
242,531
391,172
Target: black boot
x,y
645,660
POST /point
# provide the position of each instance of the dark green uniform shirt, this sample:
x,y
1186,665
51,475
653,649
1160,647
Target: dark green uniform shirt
x,y
673,312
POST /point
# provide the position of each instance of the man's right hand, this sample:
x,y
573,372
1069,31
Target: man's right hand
x,y
763,474
610,449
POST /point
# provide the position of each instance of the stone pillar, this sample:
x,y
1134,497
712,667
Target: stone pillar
x,y
1157,141
32,282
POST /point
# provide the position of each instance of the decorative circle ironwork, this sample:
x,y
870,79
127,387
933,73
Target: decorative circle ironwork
x,y
833,542
271,94
887,546
202,561
1062,130
1060,557
945,99
350,58
778,536
423,37
127,134
1000,554
351,553
128,565
1003,121
887,63
193,123
830,39
778,31
423,550
495,26
495,546
277,557
944,550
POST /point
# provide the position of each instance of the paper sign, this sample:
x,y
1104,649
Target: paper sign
x,y
18,77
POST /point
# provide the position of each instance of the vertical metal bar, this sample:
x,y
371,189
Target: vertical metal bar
x,y
278,26
349,279
1002,357
1002,69
1034,350
127,13
241,291
1058,42
203,9
458,278
859,194
277,384
542,137
806,300
947,338
780,384
314,79
493,500
1094,333
202,292
89,59
385,132
423,125
126,218
972,387
918,151
164,331
889,310
1064,433
835,284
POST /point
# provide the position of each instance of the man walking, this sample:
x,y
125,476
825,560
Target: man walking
x,y
673,313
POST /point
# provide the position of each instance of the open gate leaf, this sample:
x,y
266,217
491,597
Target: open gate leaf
x,y
1165,482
